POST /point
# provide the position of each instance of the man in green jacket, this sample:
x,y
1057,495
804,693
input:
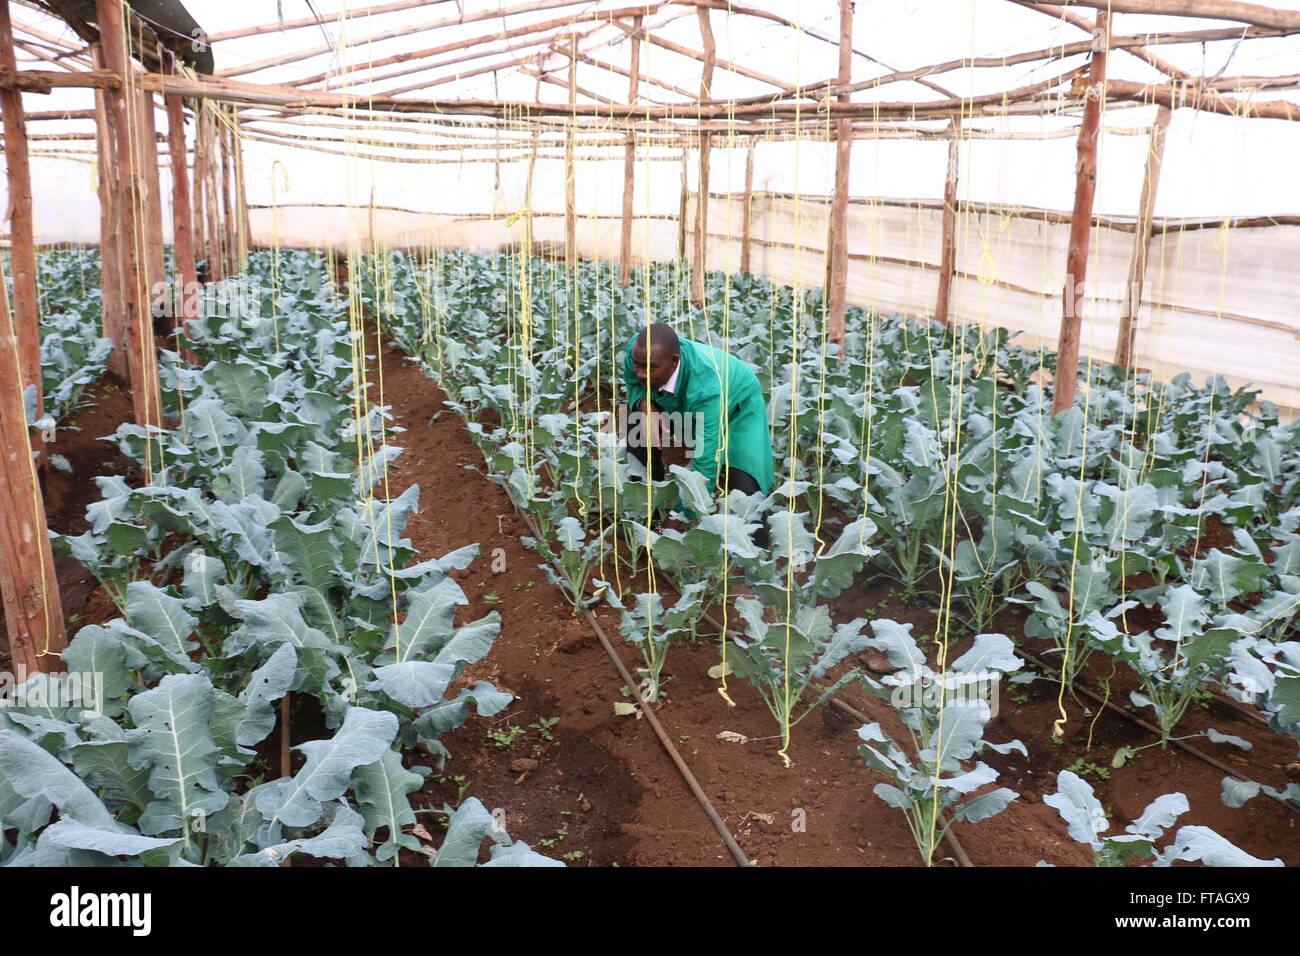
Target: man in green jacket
x,y
713,400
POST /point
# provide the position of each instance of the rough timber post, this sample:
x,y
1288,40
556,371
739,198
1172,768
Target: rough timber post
x,y
147,131
110,237
700,262
570,209
197,191
28,587
838,251
1137,267
241,189
948,251
681,211
182,211
230,226
747,213
26,310
1085,188
629,164
204,166
141,356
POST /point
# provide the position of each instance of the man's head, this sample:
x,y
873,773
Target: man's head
x,y
654,355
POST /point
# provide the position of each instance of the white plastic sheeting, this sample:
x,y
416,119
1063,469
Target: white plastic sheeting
x,y
1225,301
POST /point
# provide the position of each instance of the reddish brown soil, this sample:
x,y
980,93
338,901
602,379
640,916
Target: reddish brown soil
x,y
67,495
605,789
604,792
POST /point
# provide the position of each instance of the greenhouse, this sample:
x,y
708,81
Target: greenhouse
x,y
527,433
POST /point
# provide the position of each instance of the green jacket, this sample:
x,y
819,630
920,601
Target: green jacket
x,y
726,394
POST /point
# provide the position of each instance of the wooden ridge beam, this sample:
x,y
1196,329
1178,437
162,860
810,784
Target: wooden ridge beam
x,y
283,26
1252,13
388,34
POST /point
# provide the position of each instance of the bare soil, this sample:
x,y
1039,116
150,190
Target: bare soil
x,y
604,792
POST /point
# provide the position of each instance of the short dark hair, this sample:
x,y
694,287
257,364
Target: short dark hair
x,y
660,336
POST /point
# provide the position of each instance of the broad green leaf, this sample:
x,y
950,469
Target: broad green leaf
x,y
327,773
177,746
382,789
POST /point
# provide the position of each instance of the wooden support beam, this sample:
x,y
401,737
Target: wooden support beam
x,y
282,26
1252,13
570,204
681,212
1088,26
837,253
567,83
1137,268
948,249
747,212
147,135
26,308
229,217
407,30
713,58
142,357
560,23
1085,188
700,263
528,183
182,215
629,164
364,75
241,189
43,81
198,190
204,165
642,75
110,237
28,586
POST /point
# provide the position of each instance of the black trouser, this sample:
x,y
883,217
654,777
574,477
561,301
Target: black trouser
x,y
736,480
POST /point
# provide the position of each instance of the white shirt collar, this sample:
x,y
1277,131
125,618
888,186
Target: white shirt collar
x,y
671,384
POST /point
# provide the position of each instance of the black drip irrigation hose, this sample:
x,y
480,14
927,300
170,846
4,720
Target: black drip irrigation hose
x,y
1199,754
732,846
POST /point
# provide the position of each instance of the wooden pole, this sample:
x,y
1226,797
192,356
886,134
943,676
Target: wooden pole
x,y
948,251
208,157
1085,188
147,131
141,356
700,262
629,164
681,212
747,213
110,243
838,247
528,185
27,320
570,208
182,214
241,191
30,591
1137,267
229,228
197,189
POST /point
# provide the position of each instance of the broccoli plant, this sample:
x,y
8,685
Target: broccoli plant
x,y
1078,806
945,716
